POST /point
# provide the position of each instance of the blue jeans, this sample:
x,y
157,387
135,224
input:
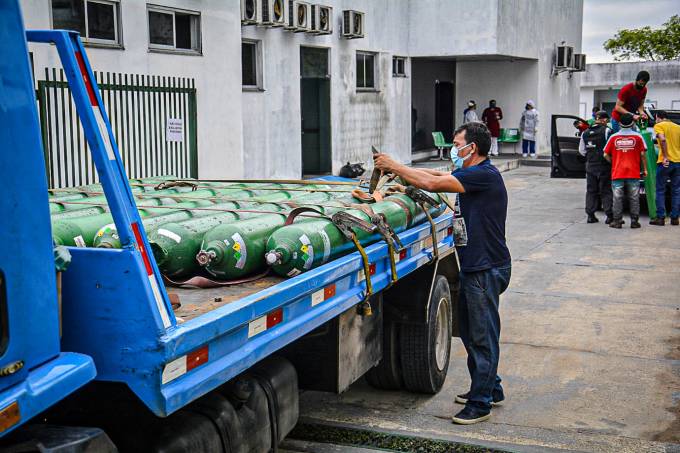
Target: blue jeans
x,y
480,329
528,146
626,187
663,174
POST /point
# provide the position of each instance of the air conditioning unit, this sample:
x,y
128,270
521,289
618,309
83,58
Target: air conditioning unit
x,y
565,57
274,13
250,12
322,20
299,16
579,62
352,24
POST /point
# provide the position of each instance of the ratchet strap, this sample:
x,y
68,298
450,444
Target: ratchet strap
x,y
423,198
345,222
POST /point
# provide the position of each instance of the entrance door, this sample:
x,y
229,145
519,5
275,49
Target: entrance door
x,y
443,109
315,103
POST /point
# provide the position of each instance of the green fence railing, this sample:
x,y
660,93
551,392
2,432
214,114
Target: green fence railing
x,y
153,119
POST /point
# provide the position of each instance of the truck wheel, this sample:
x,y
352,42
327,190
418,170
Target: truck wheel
x,y
386,375
425,348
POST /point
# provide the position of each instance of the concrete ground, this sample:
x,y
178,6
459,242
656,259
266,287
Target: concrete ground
x,y
590,352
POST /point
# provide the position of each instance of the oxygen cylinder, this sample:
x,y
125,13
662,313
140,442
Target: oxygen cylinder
x,y
236,249
304,245
174,245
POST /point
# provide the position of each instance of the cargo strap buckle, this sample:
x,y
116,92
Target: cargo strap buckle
x,y
422,198
391,238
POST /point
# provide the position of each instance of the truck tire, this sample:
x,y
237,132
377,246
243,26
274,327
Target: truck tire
x,y
386,375
425,348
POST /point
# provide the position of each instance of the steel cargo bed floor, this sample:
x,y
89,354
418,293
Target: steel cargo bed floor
x,y
197,301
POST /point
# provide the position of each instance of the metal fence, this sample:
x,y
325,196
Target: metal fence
x,y
153,119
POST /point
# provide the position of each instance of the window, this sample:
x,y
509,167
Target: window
x,y
97,21
399,66
251,64
365,71
174,30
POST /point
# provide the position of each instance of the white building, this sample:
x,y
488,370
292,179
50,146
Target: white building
x,y
313,102
601,82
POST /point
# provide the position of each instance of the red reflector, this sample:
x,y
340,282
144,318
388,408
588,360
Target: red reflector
x,y
449,232
140,246
197,358
371,268
86,79
329,291
274,317
402,254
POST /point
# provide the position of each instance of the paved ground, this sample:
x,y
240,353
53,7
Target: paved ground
x,y
590,342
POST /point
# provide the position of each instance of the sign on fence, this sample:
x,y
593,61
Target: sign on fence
x,y
174,130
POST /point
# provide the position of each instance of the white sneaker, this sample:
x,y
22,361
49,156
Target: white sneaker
x,y
533,156
525,155
494,153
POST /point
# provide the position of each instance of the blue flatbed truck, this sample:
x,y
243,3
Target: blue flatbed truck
x,y
107,363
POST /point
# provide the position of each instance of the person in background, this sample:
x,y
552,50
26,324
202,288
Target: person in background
x,y
582,126
631,99
591,120
485,263
492,117
470,113
598,170
625,150
528,125
667,167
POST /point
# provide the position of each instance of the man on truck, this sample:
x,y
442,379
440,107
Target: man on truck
x,y
631,99
485,264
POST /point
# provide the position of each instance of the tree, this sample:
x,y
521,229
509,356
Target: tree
x,y
646,43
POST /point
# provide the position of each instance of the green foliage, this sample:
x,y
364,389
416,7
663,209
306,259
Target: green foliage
x,y
647,43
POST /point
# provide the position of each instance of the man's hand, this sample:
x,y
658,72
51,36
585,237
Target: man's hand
x,y
644,172
385,163
666,162
643,115
636,117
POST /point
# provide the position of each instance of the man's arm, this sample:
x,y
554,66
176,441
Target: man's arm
x,y
663,146
608,158
419,178
619,107
434,172
643,158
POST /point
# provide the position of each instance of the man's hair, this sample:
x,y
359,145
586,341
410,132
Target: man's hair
x,y
477,133
626,120
662,114
601,114
642,75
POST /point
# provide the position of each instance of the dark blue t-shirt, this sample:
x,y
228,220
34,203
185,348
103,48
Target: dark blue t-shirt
x,y
484,206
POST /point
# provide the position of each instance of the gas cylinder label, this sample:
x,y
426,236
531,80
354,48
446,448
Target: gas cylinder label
x,y
105,229
307,252
326,245
293,272
240,251
170,235
80,242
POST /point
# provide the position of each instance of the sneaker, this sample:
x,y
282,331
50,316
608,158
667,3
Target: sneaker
x,y
675,221
658,221
635,224
533,156
471,415
607,220
525,155
592,219
463,399
615,224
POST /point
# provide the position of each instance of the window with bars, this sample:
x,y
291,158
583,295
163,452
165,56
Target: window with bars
x,y
174,30
97,21
366,71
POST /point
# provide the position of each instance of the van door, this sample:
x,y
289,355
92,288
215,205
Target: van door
x,y
564,141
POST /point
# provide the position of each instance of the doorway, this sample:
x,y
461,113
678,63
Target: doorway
x,y
315,110
443,109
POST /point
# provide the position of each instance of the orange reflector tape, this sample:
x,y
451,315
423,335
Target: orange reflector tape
x,y
265,322
165,318
323,294
275,317
402,254
449,231
9,416
86,79
371,268
197,358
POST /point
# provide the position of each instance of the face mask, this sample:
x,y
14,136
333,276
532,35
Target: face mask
x,y
456,160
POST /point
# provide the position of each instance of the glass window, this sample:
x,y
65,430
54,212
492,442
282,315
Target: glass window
x,y
365,71
95,20
399,66
174,29
313,62
249,64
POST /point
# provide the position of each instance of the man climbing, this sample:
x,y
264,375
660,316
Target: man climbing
x,y
631,99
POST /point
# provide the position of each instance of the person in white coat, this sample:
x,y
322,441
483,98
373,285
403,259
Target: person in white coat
x,y
470,113
528,125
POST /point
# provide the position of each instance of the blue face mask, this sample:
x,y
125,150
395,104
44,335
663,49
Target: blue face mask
x,y
456,160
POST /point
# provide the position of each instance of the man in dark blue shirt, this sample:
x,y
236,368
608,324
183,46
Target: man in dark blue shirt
x,y
485,263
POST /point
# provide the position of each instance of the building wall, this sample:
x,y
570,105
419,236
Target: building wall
x,y
218,84
425,74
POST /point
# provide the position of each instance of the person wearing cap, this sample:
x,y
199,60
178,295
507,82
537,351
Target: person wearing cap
x,y
598,170
528,125
470,114
626,150
492,117
631,99
667,167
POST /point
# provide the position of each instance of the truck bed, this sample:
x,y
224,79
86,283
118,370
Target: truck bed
x,y
197,301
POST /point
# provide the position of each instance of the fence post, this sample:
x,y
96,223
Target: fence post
x,y
43,127
193,135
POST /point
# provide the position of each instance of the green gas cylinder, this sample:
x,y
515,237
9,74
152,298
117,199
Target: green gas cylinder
x,y
650,179
307,244
175,245
236,249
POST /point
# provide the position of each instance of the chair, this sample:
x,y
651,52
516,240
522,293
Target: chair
x,y
440,144
509,136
